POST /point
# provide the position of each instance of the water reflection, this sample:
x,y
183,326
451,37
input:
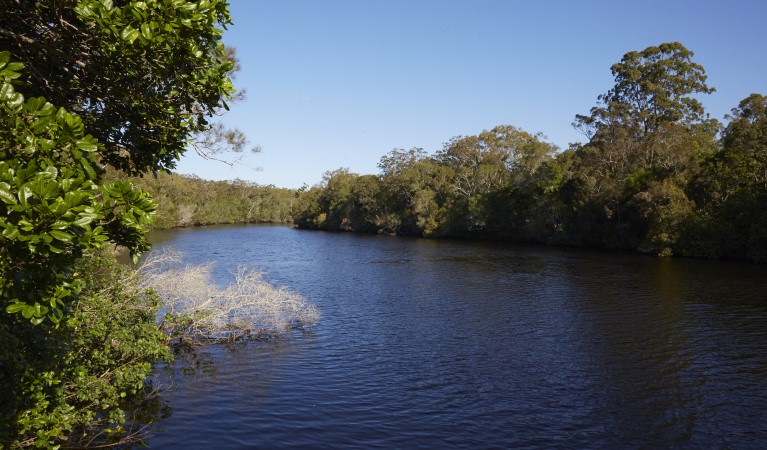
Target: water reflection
x,y
428,344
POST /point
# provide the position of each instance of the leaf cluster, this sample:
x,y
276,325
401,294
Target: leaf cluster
x,y
145,76
76,384
53,206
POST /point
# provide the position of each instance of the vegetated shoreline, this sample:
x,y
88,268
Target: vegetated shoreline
x,y
479,239
186,202
657,175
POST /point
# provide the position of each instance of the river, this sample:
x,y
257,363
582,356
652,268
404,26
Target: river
x,y
454,344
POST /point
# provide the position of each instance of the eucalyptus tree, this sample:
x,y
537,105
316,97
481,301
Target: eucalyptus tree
x,y
653,87
503,158
648,127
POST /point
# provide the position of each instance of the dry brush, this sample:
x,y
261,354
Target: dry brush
x,y
196,309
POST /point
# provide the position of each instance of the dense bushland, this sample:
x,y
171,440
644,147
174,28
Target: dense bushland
x,y
656,174
188,200
82,382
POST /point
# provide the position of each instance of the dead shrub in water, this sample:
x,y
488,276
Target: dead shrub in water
x,y
196,309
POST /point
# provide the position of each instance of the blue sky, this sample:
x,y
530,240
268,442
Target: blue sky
x,y
334,84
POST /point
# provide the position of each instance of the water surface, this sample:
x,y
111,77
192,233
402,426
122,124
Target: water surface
x,y
452,344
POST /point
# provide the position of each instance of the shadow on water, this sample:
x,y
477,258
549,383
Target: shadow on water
x,y
198,370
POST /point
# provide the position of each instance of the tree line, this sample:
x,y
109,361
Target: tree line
x,y
187,200
656,174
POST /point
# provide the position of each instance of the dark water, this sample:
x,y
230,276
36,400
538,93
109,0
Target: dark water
x,y
442,344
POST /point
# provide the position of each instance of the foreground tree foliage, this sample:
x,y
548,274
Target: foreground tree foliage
x,y
145,76
72,372
84,85
653,176
52,204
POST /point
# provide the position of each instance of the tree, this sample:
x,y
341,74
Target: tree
x,y
732,188
53,206
145,77
648,128
82,383
414,193
485,164
652,87
744,142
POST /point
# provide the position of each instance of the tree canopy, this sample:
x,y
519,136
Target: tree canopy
x,y
653,87
87,83
144,76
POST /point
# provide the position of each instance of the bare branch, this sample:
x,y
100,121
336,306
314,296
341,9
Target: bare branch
x,y
198,310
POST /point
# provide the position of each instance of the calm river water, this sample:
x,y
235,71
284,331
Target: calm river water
x,y
451,344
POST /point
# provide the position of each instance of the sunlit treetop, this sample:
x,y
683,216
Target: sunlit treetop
x,y
653,87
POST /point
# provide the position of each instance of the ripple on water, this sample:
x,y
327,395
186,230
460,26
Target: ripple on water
x,y
438,344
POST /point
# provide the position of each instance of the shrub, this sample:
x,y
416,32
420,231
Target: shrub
x,y
75,384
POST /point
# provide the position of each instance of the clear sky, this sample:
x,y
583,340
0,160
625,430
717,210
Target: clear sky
x,y
334,83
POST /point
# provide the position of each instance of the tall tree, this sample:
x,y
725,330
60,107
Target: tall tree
x,y
653,87
647,128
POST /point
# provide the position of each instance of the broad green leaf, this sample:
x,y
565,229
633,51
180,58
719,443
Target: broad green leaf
x,y
11,70
16,100
28,311
83,222
6,90
6,195
88,144
5,58
61,236
53,171
24,193
46,109
88,169
33,104
129,34
41,125
11,232
44,188
146,31
15,307
60,225
55,317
